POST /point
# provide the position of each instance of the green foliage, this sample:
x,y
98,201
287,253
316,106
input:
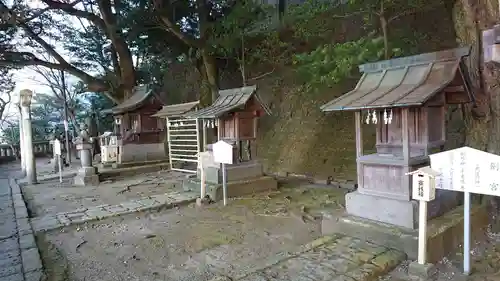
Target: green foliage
x,y
245,20
306,19
330,64
10,134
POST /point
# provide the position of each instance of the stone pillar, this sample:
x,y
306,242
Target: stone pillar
x,y
87,173
22,149
25,101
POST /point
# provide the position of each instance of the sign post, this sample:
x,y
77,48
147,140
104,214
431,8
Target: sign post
x,y
466,233
223,154
467,170
57,153
424,190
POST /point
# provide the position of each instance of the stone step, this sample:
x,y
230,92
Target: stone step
x,y
234,188
334,258
444,233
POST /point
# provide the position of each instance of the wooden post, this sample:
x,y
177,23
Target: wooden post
x,y
202,179
219,129
169,143
425,133
204,134
422,232
406,148
359,146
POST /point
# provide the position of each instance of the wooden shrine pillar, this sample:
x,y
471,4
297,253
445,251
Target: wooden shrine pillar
x,y
359,146
405,127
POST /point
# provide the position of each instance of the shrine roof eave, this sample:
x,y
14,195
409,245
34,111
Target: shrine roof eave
x,y
176,110
390,85
141,94
228,101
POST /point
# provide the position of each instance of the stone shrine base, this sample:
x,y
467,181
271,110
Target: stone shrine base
x,y
86,176
234,188
444,233
395,212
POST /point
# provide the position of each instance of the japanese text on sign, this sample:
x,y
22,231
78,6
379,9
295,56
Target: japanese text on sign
x,y
468,170
421,188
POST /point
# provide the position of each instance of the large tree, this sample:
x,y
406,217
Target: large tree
x,y
101,23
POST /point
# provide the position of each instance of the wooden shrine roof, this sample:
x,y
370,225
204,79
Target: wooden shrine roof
x,y
140,95
403,82
174,110
227,101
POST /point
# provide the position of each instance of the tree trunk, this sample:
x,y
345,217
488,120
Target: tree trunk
x,y
482,124
385,33
211,76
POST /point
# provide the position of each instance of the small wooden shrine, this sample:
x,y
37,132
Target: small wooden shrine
x,y
406,100
183,136
235,114
140,135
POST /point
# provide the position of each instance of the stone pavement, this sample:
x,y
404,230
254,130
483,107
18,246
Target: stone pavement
x,y
78,216
19,257
330,258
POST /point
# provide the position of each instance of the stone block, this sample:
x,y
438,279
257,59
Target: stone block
x,y
31,260
37,275
9,244
14,277
19,203
10,259
63,219
97,213
16,190
221,278
392,211
162,198
11,270
45,223
424,271
148,203
116,209
27,241
86,180
238,172
131,205
8,228
21,212
389,259
366,272
182,198
242,188
73,216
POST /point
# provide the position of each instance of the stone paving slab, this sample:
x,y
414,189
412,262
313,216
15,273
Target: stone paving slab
x,y
167,200
332,258
19,256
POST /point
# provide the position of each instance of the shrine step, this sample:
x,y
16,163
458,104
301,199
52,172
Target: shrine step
x,y
234,188
445,233
107,173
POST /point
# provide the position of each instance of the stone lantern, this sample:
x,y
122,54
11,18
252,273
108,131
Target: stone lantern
x,y
87,174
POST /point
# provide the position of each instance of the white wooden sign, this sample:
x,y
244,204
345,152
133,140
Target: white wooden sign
x,y
423,183
57,147
223,152
467,169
